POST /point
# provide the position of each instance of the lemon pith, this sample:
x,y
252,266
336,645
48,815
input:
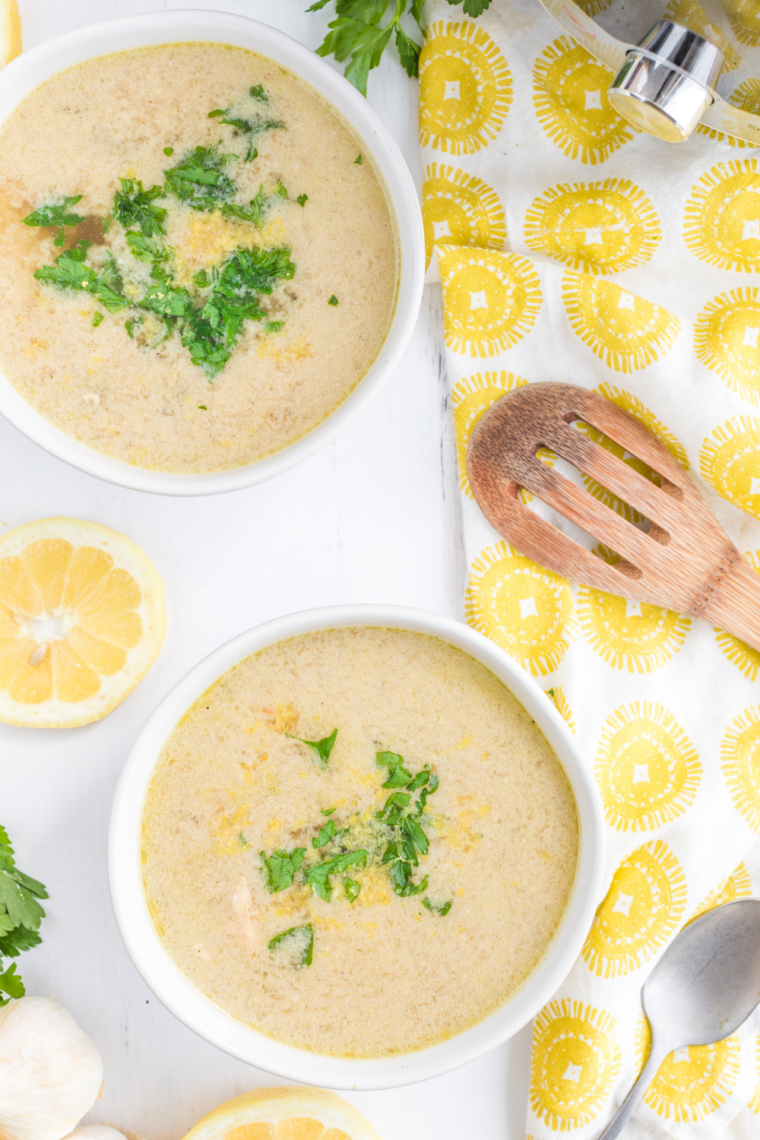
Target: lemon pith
x,y
81,621
284,1114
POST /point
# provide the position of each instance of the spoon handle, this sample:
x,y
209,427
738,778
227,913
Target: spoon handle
x,y
618,1122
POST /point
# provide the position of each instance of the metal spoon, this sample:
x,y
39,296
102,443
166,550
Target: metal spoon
x,y
702,989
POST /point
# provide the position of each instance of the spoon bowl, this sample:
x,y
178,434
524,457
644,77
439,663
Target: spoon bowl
x,y
704,987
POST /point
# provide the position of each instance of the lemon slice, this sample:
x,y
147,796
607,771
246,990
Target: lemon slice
x,y
81,622
10,31
284,1114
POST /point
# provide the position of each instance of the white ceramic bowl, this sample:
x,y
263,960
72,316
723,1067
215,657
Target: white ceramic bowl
x,y
24,74
180,995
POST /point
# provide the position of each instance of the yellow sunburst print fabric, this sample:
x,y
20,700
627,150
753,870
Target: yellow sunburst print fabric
x,y
570,246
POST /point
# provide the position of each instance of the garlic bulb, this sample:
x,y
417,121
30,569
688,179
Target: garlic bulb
x,y
50,1072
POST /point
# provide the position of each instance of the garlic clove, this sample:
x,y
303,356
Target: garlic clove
x,y
50,1071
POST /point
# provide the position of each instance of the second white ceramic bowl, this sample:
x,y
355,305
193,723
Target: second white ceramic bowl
x,y
24,74
178,993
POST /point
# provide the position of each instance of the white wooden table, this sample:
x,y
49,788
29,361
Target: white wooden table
x,y
373,517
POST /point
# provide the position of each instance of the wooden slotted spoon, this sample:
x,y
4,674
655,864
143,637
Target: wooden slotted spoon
x,y
685,562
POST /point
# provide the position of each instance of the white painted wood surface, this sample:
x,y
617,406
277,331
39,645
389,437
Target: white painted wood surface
x,y
373,517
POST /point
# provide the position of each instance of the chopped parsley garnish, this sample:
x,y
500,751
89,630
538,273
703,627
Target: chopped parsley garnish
x,y
351,888
318,876
327,811
133,206
358,160
333,300
202,408
303,934
440,910
302,199
20,917
199,179
208,315
97,319
281,867
57,213
326,833
242,841
70,272
322,747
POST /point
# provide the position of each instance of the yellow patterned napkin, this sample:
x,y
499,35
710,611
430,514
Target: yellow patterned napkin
x,y
572,248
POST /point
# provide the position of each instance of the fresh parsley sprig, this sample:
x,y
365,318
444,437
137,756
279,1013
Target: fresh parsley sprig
x,y
300,934
322,748
359,32
70,272
20,917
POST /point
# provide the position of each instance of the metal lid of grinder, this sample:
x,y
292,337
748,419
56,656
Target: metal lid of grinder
x,y
666,83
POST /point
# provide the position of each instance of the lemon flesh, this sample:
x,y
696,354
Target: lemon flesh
x,y
284,1114
81,622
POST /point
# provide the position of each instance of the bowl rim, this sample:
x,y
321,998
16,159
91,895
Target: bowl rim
x,y
32,68
175,990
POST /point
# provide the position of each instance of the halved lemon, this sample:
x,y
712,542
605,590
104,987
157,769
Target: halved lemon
x,y
10,31
81,622
284,1114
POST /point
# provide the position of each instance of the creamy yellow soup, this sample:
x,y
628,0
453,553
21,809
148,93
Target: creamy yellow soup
x,y
159,349
358,842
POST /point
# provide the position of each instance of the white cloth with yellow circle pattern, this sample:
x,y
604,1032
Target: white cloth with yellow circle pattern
x,y
572,248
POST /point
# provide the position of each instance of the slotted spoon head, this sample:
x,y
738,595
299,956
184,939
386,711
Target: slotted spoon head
x,y
679,563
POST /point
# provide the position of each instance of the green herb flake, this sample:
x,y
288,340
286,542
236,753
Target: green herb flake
x,y
327,811
302,199
134,206
322,747
326,833
303,934
70,272
168,151
274,326
351,888
251,153
97,319
199,179
57,213
242,841
439,910
318,876
398,775
202,408
259,93
358,160
333,300
281,867
280,191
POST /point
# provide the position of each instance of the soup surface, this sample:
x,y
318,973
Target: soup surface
x,y
208,263
381,887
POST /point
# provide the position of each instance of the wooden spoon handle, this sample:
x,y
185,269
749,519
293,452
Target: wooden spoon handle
x,y
734,601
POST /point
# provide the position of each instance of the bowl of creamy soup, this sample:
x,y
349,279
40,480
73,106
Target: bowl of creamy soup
x,y
211,250
356,847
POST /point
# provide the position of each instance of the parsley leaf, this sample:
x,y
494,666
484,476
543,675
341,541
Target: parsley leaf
x,y
302,199
333,300
281,867
70,272
57,213
199,180
326,833
398,775
304,934
11,985
440,910
97,319
473,7
318,876
133,206
20,916
351,888
274,326
322,747
259,93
